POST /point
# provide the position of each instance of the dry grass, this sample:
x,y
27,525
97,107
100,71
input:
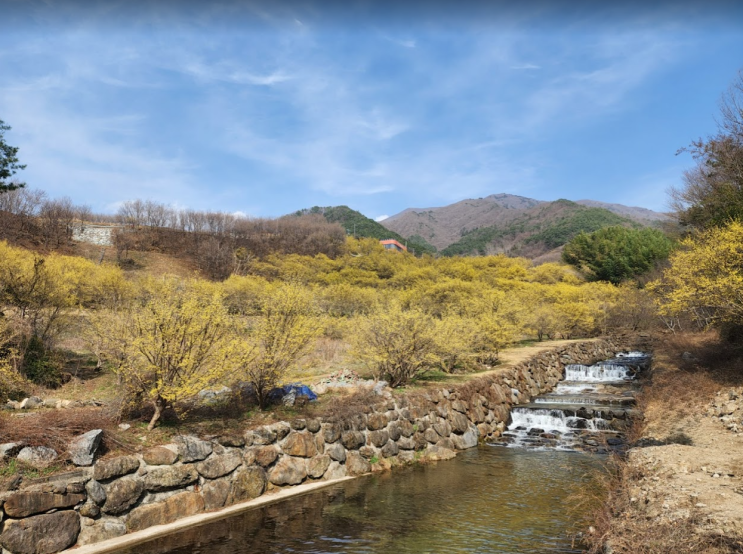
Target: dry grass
x,y
679,387
56,428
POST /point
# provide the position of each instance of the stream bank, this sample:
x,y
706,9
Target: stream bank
x,y
680,488
127,494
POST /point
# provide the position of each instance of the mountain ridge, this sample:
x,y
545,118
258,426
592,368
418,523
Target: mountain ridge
x,y
446,225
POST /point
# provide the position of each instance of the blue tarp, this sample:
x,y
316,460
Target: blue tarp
x,y
297,388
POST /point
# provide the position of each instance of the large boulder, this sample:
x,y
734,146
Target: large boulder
x,y
435,453
335,471
101,530
192,449
115,467
288,471
299,444
218,466
353,440
215,493
37,456
317,466
83,448
466,440
376,421
459,422
95,491
161,455
264,455
248,483
9,449
336,451
170,477
176,507
43,534
356,464
122,494
24,504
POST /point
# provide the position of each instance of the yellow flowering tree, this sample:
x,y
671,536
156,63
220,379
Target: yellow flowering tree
x,y
283,332
170,343
705,278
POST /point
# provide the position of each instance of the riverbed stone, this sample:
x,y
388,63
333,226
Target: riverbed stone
x,y
192,449
102,530
436,453
218,466
317,466
215,493
24,504
161,455
336,451
170,477
82,449
247,483
353,440
288,471
37,456
176,507
42,534
356,464
300,444
115,467
467,440
95,491
122,494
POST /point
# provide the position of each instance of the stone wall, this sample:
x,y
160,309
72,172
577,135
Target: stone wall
x,y
101,235
164,483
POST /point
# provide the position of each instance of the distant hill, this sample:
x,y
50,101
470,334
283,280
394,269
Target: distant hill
x,y
357,223
536,231
511,224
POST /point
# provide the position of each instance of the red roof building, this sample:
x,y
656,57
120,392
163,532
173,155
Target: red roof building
x,y
392,244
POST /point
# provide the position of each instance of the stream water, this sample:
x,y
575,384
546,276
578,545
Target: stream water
x,y
489,499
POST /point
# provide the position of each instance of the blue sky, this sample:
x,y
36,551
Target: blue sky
x,y
269,107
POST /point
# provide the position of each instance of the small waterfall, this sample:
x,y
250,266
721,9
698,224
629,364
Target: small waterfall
x,y
599,373
589,410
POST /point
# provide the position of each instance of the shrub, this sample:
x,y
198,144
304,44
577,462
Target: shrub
x,y
397,345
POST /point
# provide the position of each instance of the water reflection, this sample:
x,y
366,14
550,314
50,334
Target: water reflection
x,y
487,500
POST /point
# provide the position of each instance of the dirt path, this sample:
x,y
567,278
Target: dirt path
x,y
513,356
683,489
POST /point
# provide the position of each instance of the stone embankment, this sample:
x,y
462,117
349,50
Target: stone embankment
x,y
101,235
125,494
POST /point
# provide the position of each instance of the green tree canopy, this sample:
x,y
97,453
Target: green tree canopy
x,y
8,162
616,254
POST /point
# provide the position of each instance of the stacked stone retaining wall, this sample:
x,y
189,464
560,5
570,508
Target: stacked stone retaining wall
x,y
126,494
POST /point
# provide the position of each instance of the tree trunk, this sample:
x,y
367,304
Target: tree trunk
x,y
159,407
